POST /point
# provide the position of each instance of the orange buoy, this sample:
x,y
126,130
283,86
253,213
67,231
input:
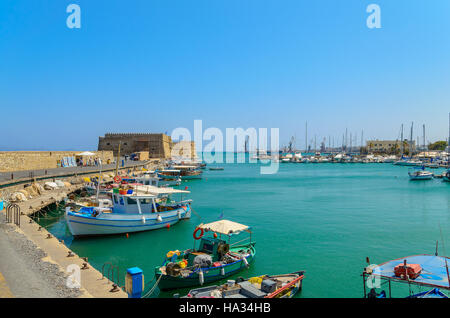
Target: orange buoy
x,y
128,235
168,225
215,235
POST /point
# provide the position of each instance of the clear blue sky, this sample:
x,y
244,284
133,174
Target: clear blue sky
x,y
152,66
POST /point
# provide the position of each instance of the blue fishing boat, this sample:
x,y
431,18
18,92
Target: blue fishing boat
x,y
432,293
417,270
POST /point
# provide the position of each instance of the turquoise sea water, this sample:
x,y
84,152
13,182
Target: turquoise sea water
x,y
323,218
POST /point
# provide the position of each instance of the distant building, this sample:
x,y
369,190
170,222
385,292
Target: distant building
x,y
157,145
389,146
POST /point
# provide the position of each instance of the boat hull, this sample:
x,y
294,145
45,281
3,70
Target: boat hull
x,y
104,224
424,177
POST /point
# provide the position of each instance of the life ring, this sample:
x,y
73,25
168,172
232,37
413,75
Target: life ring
x,y
117,179
199,236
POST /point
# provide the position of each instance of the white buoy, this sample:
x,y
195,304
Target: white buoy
x,y
245,261
201,278
222,271
143,219
179,214
159,218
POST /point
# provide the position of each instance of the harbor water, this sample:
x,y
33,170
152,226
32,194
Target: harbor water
x,y
324,218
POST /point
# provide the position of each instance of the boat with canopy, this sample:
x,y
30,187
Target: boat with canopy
x,y
215,258
418,270
136,209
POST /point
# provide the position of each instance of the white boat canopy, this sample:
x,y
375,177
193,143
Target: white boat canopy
x,y
149,189
184,167
225,227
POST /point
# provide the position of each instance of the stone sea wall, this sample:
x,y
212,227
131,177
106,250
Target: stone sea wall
x,y
30,160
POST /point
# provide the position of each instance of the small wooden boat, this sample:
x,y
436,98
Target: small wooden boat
x,y
277,286
215,259
185,172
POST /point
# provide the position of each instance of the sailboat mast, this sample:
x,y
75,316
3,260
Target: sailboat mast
x,y
362,139
401,141
424,149
306,137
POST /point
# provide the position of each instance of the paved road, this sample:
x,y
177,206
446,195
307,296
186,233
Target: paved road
x,y
17,175
23,272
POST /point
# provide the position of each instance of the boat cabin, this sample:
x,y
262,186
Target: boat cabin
x,y
147,199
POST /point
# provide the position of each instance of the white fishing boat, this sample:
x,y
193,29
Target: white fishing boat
x,y
188,172
152,178
412,162
140,209
421,174
261,155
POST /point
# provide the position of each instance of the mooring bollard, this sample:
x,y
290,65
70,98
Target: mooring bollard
x,y
114,289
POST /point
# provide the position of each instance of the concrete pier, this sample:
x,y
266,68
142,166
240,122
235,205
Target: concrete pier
x,y
56,252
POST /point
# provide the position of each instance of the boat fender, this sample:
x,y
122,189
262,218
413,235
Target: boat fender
x,y
179,214
245,261
143,219
222,271
159,218
201,278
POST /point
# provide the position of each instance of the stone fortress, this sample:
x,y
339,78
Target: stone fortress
x,y
157,145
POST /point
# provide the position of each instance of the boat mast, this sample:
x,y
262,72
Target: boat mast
x,y
424,149
411,140
362,142
306,137
98,183
350,148
117,160
315,143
